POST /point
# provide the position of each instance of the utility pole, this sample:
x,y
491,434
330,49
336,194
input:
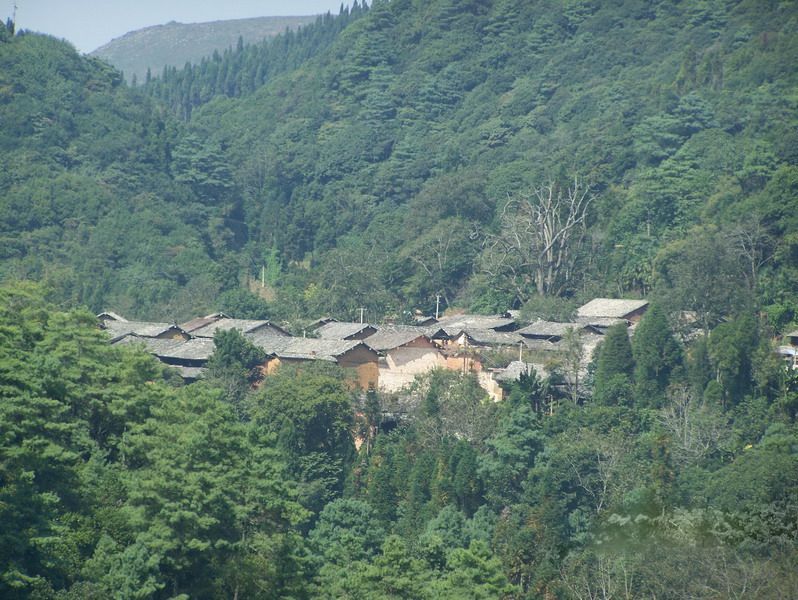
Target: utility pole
x,y
362,310
437,305
520,351
263,277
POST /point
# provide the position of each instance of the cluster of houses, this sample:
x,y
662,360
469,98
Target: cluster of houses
x,y
389,357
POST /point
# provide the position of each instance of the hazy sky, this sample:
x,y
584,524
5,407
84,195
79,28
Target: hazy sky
x,y
89,24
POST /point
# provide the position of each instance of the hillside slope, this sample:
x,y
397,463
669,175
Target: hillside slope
x,y
386,162
175,44
368,159
93,198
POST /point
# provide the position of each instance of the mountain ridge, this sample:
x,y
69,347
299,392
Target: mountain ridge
x,y
176,43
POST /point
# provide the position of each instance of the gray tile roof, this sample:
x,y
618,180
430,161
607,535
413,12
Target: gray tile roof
x,y
153,345
197,349
200,322
243,325
303,348
609,308
513,371
420,329
119,329
110,316
322,321
600,323
424,320
390,337
337,330
458,323
489,337
538,344
542,328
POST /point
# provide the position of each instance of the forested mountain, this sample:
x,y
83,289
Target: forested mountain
x,y
386,161
175,44
90,203
499,154
383,154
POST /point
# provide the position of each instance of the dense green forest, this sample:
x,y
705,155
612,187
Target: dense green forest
x,y
676,480
376,159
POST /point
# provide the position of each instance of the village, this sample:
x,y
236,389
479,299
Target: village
x,y
387,358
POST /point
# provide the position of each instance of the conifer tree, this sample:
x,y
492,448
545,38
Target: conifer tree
x,y
656,353
615,366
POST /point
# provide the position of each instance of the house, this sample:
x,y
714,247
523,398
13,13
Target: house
x,y
790,352
497,381
352,355
194,324
143,329
110,316
552,331
322,321
245,326
404,353
487,338
455,324
466,350
423,320
602,310
338,330
188,356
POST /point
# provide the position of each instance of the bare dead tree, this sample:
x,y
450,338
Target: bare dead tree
x,y
753,243
540,238
597,464
600,576
696,428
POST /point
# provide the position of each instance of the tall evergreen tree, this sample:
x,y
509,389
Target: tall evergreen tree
x,y
615,366
656,354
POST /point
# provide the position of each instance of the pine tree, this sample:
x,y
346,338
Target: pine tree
x,y
615,366
656,354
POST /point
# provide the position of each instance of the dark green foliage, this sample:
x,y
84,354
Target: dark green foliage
x,y
614,368
474,572
656,355
140,52
240,71
310,411
731,347
699,370
372,151
347,531
89,202
244,304
114,482
511,454
234,351
234,366
703,273
411,130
